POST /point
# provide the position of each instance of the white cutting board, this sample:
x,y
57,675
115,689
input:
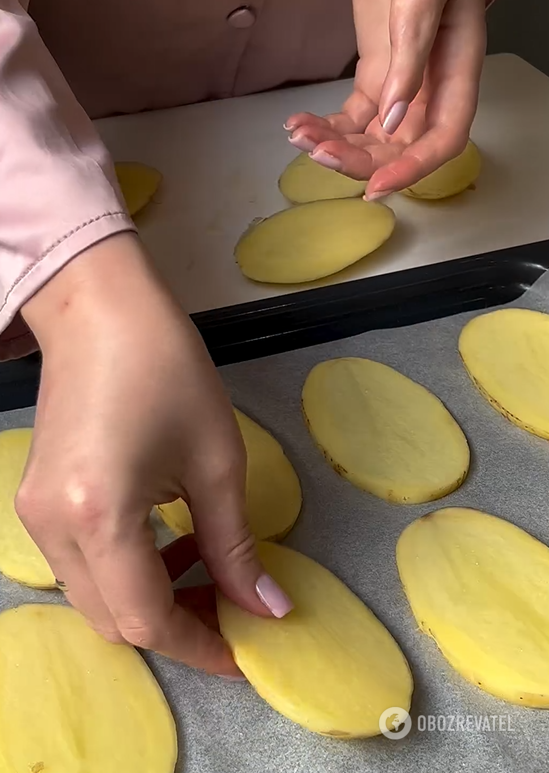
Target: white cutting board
x,y
221,162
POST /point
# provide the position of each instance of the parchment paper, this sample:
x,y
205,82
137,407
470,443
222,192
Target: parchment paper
x,y
226,727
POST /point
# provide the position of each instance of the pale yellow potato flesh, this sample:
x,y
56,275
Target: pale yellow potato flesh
x,y
20,558
305,180
479,586
506,354
138,183
273,489
451,178
74,703
312,241
330,665
383,432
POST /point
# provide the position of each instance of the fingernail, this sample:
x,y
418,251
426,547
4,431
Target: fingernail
x,y
302,143
273,596
232,678
377,195
325,159
395,116
289,127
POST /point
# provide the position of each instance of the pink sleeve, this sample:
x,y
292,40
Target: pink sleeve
x,y
58,189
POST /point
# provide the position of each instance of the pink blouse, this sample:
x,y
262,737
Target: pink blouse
x,y
58,190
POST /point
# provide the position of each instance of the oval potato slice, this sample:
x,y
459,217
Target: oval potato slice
x,y
479,586
329,665
138,183
20,558
274,496
305,180
451,178
313,240
383,432
506,354
74,702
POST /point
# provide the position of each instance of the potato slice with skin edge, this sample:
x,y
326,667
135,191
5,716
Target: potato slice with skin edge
x,y
73,701
304,180
20,558
274,496
506,354
452,178
479,586
138,183
383,432
312,241
329,665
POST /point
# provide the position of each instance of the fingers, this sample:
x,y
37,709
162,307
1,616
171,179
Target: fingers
x,y
308,130
454,77
413,27
67,563
229,552
133,580
358,161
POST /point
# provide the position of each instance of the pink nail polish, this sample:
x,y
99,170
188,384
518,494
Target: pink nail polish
x,y
289,127
273,596
325,159
376,195
232,678
395,116
302,143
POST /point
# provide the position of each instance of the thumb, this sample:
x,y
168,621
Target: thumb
x,y
228,550
413,27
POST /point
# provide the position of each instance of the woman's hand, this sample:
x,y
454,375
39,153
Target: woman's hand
x,y
415,94
131,413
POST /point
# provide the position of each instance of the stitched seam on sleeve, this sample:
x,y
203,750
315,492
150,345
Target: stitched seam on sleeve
x,y
56,244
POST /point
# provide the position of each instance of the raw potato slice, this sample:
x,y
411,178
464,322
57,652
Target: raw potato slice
x,y
138,183
479,586
329,665
20,559
314,240
384,432
506,354
304,180
72,702
274,496
451,178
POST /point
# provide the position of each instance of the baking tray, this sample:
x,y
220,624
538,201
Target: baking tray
x,y
313,316
226,727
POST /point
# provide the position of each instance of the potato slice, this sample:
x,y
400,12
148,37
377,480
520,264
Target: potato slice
x,y
274,495
329,665
384,432
20,559
506,354
451,178
304,180
479,586
138,183
314,240
74,702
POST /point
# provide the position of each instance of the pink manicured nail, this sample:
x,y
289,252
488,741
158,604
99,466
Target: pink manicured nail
x,y
325,159
377,195
273,596
303,143
395,116
232,678
289,127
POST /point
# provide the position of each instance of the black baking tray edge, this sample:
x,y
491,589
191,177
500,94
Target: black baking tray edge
x,y
305,318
